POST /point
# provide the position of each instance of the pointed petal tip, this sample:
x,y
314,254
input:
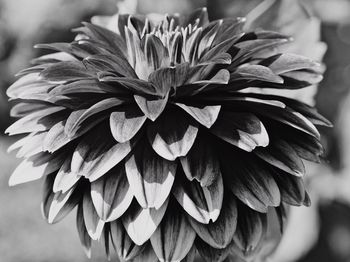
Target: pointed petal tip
x,y
96,234
12,182
87,252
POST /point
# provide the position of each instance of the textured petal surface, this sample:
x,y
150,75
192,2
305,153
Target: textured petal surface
x,y
202,203
35,167
150,176
174,237
111,194
122,243
141,223
172,135
94,225
125,124
219,234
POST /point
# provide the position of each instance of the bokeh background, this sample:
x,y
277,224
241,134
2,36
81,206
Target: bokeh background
x,y
321,29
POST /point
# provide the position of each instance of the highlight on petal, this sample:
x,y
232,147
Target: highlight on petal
x,y
204,115
95,109
292,189
125,124
150,176
152,108
219,234
94,157
62,204
111,194
65,179
56,137
141,223
37,121
201,163
36,167
243,130
201,203
172,135
162,131
122,243
94,225
28,146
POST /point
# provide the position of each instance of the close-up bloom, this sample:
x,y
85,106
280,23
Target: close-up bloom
x,y
148,129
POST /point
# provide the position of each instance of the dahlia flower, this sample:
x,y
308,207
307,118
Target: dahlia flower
x,y
148,131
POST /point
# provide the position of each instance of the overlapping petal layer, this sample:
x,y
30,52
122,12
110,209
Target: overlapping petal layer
x,y
148,130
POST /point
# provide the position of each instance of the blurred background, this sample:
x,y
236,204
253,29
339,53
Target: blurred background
x,y
321,29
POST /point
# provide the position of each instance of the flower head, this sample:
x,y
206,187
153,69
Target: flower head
x,y
148,130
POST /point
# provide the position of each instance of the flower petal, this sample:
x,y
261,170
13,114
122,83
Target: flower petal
x,y
141,223
201,163
65,71
170,77
94,156
172,135
109,38
56,138
29,145
202,203
150,176
84,237
250,180
111,194
62,204
251,230
25,108
152,108
93,110
94,225
292,189
255,72
36,167
86,86
219,234
306,110
122,243
209,253
205,115
125,124
155,52
243,130
110,62
65,179
147,255
137,86
69,48
229,27
281,155
174,237
37,121
283,63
